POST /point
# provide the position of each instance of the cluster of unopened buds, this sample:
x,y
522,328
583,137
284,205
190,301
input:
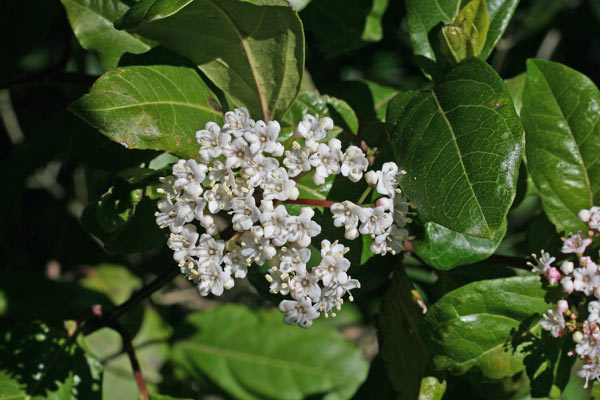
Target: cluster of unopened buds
x,y
579,276
246,176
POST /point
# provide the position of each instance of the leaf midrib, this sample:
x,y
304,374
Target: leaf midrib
x,y
459,153
177,103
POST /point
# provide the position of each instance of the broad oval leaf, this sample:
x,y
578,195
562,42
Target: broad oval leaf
x,y
253,53
460,143
92,22
484,324
158,107
561,115
423,16
444,248
274,361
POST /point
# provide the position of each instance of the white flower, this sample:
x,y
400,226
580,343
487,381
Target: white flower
x,y
263,138
354,163
296,161
218,199
554,322
183,244
590,371
278,186
257,249
380,244
594,310
347,214
259,168
386,179
585,279
375,221
238,154
279,281
175,216
590,343
189,176
213,279
305,284
312,129
332,269
576,243
210,250
543,262
245,213
236,262
274,222
298,312
594,222
301,228
326,160
237,122
212,141
293,259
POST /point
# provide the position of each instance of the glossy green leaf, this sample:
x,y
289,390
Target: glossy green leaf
x,y
432,389
342,114
156,107
92,22
515,86
460,143
455,44
402,344
41,361
340,26
253,53
423,16
561,114
444,248
473,18
486,324
254,355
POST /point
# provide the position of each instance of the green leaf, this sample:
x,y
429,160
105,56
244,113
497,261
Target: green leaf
x,y
548,365
444,248
460,325
340,26
260,357
402,346
473,18
460,143
92,22
432,389
342,114
560,115
46,362
423,16
114,280
156,107
253,53
164,397
515,86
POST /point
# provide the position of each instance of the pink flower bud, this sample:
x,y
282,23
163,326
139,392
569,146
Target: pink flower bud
x,y
562,306
552,274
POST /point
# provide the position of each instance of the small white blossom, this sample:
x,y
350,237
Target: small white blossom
x,y
212,141
213,280
386,179
590,371
278,186
218,198
301,228
296,161
238,154
263,138
348,215
585,279
238,122
236,262
189,176
326,160
257,249
293,259
554,322
210,250
259,169
279,281
354,163
183,244
313,129
576,243
245,213
299,312
305,284
274,222
375,221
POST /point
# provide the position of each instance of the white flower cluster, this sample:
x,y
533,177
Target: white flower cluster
x,y
244,171
581,276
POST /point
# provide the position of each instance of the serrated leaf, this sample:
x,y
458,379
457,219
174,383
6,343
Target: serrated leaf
x,y
485,324
42,361
156,107
340,26
260,357
444,248
402,345
423,16
92,22
253,53
561,114
460,143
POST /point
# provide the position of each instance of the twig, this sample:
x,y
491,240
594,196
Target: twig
x,y
135,365
102,320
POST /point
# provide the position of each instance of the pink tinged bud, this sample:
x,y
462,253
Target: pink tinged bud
x,y
567,284
552,274
562,306
584,215
385,202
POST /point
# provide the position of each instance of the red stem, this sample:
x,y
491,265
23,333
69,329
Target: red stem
x,y
308,202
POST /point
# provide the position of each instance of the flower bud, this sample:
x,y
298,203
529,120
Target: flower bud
x,y
351,234
567,267
293,194
577,337
562,306
371,178
567,284
584,215
385,202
